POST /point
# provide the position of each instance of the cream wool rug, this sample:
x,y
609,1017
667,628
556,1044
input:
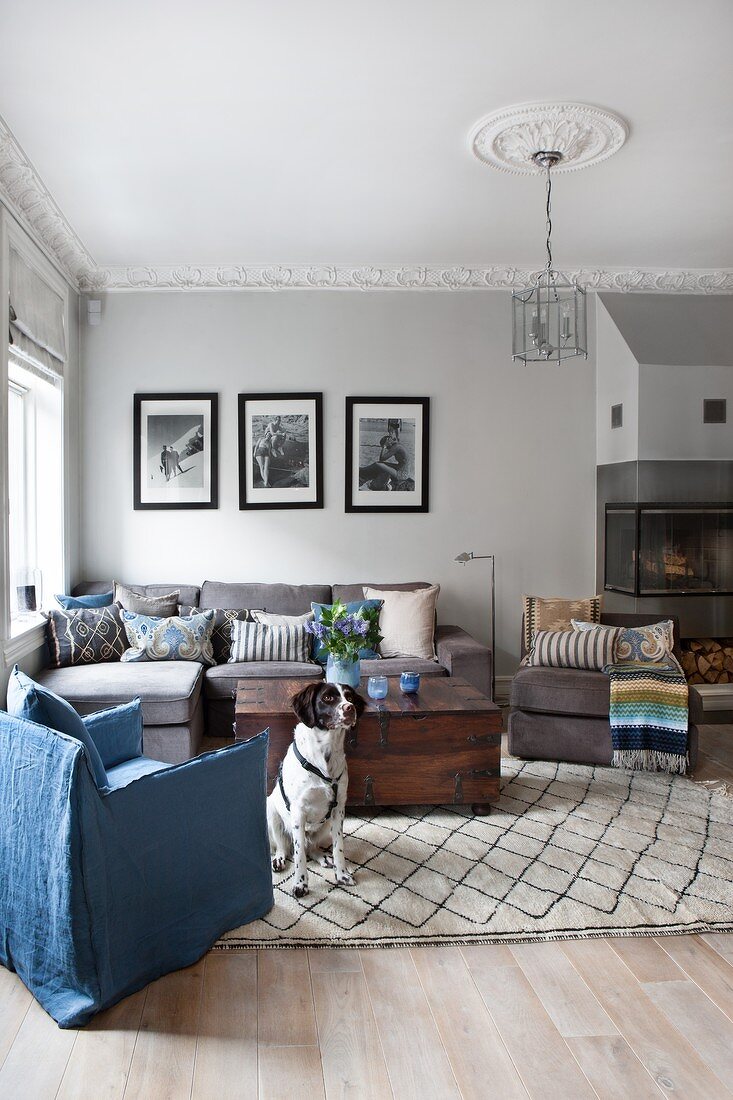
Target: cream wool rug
x,y
570,851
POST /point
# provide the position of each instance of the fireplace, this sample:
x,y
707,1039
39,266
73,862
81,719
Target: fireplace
x,y
668,550
665,542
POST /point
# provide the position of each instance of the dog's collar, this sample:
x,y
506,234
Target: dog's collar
x,y
332,783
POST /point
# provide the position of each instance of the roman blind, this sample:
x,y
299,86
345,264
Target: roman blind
x,y
37,337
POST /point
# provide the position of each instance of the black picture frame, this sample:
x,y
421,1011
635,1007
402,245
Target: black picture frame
x,y
393,499
174,495
294,455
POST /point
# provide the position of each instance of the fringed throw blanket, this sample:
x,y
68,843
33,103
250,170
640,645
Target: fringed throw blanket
x,y
648,716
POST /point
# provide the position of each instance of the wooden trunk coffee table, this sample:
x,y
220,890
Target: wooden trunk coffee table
x,y
440,745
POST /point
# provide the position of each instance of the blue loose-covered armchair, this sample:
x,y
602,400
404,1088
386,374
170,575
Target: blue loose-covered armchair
x,y
116,869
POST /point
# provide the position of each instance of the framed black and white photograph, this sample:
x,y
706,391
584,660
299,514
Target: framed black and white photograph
x,y
387,454
175,450
281,450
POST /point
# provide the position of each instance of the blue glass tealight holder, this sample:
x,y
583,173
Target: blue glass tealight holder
x,y
377,687
410,682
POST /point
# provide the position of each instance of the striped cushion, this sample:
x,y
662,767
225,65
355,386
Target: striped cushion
x,y
260,642
587,649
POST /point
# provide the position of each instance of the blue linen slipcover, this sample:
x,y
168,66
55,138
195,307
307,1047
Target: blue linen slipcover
x,y
103,891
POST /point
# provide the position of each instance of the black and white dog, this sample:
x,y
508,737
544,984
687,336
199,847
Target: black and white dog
x,y
305,812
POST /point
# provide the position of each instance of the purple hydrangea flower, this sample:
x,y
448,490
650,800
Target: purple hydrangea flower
x,y
344,626
361,626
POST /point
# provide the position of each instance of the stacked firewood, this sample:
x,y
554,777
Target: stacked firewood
x,y
708,660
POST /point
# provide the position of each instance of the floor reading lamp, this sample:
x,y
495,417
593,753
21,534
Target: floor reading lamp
x,y
463,558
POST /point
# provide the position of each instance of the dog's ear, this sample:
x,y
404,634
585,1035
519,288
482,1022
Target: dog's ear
x,y
358,702
304,705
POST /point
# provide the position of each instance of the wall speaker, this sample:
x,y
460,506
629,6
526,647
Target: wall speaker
x,y
617,416
714,410
94,311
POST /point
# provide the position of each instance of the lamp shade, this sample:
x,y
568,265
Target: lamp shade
x,y
548,322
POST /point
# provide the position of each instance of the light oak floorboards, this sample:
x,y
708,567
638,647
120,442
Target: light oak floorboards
x,y
543,1059
351,1053
290,1073
598,1018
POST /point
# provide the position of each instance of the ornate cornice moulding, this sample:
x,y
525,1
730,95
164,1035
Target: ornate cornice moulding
x,y
28,198
325,277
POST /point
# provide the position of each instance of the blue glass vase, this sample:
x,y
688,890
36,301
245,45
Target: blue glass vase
x,y
339,671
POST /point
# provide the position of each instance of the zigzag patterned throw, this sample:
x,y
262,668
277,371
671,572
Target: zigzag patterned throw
x,y
648,716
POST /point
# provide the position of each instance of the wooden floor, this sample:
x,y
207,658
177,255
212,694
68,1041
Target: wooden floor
x,y
631,1018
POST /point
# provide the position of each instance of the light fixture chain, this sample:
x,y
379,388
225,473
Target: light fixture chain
x,y
549,219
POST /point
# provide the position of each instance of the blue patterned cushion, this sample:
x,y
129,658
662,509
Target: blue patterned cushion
x,y
653,643
178,638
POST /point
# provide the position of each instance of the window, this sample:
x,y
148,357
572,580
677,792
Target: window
x,y
35,487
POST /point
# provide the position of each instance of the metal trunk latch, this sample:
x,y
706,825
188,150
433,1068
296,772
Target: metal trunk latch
x,y
368,791
458,792
383,726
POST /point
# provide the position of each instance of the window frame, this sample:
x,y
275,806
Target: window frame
x,y
12,235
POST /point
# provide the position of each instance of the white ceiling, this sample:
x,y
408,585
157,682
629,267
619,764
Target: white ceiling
x,y
332,131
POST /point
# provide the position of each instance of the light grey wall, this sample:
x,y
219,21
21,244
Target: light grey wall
x,y
512,448
617,383
671,411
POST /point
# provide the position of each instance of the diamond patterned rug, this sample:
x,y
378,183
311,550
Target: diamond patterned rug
x,y
570,851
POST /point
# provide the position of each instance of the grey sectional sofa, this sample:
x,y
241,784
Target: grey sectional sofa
x,y
181,699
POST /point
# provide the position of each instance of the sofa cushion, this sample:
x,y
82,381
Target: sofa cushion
x,y
160,606
86,636
129,770
36,702
177,638
221,681
73,603
393,666
189,593
347,593
573,692
169,691
117,732
561,691
283,599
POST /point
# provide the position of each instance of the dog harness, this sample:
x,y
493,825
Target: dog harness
x,y
332,783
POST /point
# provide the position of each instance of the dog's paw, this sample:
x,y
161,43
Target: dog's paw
x,y
326,859
278,863
300,889
345,879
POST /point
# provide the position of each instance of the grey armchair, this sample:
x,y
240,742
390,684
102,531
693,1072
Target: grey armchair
x,y
562,713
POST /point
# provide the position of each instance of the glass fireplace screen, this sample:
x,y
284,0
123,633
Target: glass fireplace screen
x,y
677,549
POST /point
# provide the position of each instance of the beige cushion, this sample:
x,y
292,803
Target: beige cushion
x,y
161,607
268,619
556,613
406,621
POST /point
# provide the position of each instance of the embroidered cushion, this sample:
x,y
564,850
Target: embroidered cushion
x,y
590,650
221,634
555,613
176,638
261,642
641,643
320,653
159,606
407,621
72,603
85,637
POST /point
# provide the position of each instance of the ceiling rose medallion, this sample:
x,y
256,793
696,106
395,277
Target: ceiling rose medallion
x,y
509,138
